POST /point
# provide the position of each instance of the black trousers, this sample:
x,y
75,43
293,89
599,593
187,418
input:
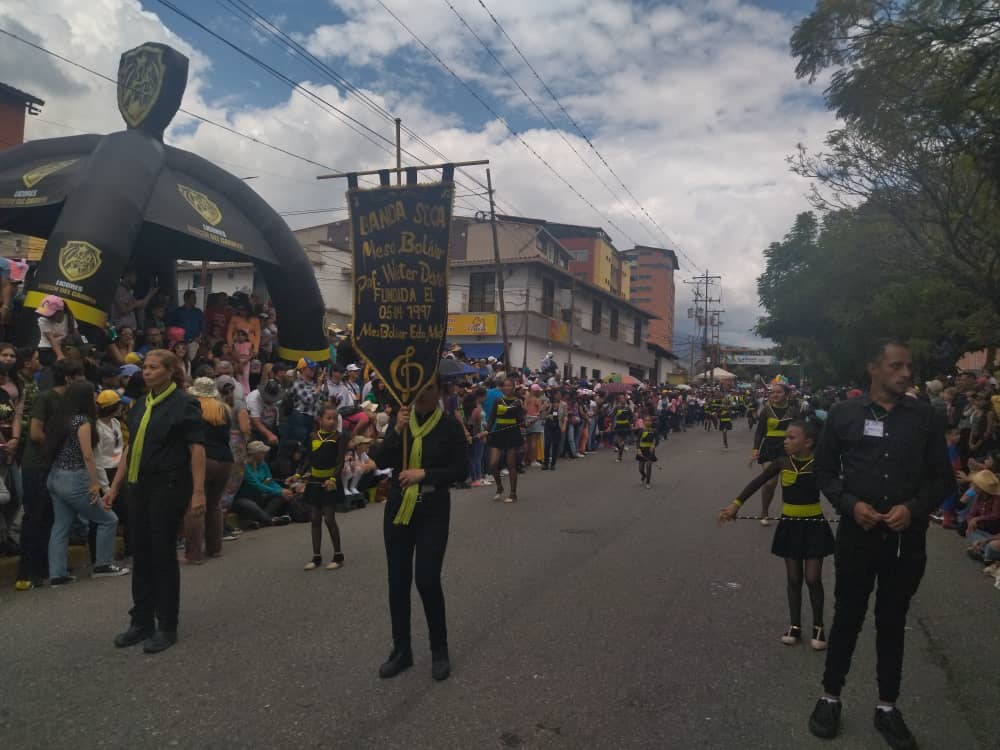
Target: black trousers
x,y
156,507
896,562
36,525
553,439
420,545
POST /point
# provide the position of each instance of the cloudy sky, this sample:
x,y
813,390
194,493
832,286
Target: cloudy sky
x,y
694,105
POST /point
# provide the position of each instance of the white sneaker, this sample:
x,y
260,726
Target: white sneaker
x,y
536,465
505,472
764,522
487,480
498,496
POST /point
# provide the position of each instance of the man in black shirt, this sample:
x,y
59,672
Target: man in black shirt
x,y
882,462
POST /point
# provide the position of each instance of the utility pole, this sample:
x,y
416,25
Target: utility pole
x,y
572,319
527,299
499,273
399,153
702,299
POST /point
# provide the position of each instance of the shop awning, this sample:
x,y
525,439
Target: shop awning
x,y
482,349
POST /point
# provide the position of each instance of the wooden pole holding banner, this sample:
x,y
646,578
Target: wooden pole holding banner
x,y
499,274
399,153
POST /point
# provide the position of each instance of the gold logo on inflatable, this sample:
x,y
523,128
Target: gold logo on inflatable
x,y
140,79
79,260
36,175
201,203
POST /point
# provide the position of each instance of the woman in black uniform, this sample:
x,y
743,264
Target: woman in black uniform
x,y
803,537
164,468
769,440
416,522
504,426
622,424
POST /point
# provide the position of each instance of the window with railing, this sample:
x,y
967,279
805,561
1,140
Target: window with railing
x,y
595,325
637,331
482,296
613,328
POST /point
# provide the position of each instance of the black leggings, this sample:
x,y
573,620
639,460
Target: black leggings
x,y
425,540
813,570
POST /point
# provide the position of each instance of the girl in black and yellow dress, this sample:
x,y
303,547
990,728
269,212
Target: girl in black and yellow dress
x,y
325,456
504,427
646,454
769,439
622,418
803,537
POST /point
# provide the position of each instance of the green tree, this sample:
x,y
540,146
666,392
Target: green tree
x,y
916,86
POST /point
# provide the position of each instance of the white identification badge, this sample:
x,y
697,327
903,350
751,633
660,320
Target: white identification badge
x,y
874,428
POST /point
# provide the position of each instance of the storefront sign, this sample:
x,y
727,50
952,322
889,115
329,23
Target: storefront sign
x,y
750,359
472,324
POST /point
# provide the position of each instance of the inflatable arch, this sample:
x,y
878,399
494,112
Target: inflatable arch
x,y
125,199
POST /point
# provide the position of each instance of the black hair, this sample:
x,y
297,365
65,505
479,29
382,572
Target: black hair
x,y
810,427
66,368
204,371
78,400
24,356
136,386
877,348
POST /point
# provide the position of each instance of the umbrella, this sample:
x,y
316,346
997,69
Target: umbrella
x,y
453,369
108,201
616,387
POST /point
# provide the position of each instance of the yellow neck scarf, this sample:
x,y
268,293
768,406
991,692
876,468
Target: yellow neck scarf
x,y
135,457
411,493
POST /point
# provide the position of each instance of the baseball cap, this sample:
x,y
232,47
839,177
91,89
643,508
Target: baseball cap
x,y
353,368
108,398
50,305
133,359
127,371
306,363
256,446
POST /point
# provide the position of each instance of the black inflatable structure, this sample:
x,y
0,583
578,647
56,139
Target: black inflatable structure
x,y
104,202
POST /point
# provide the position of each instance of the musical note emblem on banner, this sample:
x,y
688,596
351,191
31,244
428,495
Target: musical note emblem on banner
x,y
406,375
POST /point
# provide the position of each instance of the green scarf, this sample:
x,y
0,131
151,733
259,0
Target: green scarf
x,y
135,457
411,493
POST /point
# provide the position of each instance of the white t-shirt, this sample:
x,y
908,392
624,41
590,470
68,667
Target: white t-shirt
x,y
260,409
110,447
56,331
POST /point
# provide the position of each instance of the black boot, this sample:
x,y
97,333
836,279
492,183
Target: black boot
x,y
440,664
399,660
161,641
135,635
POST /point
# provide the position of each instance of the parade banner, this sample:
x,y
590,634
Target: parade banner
x,y
399,238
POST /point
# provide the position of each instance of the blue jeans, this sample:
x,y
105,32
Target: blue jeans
x,y
299,426
592,441
570,439
476,459
70,491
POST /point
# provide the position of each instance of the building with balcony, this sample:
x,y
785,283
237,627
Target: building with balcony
x,y
590,331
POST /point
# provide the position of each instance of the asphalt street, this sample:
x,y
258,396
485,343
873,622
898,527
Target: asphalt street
x,y
592,614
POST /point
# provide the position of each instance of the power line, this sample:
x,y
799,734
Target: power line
x,y
278,36
547,119
502,120
189,113
579,130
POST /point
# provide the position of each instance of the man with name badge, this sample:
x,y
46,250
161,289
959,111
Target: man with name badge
x,y
883,464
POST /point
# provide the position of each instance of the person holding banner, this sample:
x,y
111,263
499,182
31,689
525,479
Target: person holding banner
x,y
426,451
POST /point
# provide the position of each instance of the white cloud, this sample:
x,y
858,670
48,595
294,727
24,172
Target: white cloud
x,y
694,104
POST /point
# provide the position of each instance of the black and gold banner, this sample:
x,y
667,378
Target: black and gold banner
x,y
399,238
